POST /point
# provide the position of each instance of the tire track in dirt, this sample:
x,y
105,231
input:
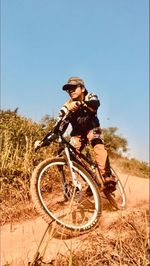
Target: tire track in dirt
x,y
19,242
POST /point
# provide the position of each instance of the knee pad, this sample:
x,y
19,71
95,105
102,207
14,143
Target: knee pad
x,y
75,141
96,141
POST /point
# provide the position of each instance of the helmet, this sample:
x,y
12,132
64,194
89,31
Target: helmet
x,y
74,81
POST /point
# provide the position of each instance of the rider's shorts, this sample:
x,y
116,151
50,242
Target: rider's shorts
x,y
93,136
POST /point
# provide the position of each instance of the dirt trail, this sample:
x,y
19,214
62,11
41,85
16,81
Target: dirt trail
x,y
19,241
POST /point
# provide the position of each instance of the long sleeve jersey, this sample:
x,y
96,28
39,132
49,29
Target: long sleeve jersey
x,y
85,118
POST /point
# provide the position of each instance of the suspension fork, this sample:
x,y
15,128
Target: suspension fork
x,y
64,183
73,175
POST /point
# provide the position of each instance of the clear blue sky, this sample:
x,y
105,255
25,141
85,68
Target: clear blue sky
x,y
105,42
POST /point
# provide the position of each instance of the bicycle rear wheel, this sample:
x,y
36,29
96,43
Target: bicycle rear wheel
x,y
116,198
55,200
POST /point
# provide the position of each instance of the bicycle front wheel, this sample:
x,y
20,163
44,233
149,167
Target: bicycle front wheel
x,y
55,197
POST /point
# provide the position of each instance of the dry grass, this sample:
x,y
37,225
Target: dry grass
x,y
131,166
124,243
17,135
128,245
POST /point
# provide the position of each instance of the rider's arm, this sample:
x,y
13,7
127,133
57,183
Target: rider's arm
x,y
66,113
60,125
91,102
45,141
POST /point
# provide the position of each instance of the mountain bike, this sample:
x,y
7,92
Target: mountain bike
x,y
68,188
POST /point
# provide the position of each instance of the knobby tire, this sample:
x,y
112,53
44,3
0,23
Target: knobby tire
x,y
78,211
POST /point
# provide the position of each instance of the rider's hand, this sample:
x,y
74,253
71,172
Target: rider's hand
x,y
37,144
73,106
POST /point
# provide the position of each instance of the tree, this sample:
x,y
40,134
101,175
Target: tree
x,y
48,122
116,144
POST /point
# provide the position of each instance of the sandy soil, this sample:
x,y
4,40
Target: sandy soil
x,y
20,241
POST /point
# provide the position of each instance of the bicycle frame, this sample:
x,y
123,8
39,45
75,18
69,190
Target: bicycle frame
x,y
71,155
74,199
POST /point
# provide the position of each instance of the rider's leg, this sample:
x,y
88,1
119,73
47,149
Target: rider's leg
x,y
101,156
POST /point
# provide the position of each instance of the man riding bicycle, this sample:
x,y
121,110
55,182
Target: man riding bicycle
x,y
85,124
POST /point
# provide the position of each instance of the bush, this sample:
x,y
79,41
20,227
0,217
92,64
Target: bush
x,y
17,135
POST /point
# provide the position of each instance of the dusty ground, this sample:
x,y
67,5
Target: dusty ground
x,y
19,242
